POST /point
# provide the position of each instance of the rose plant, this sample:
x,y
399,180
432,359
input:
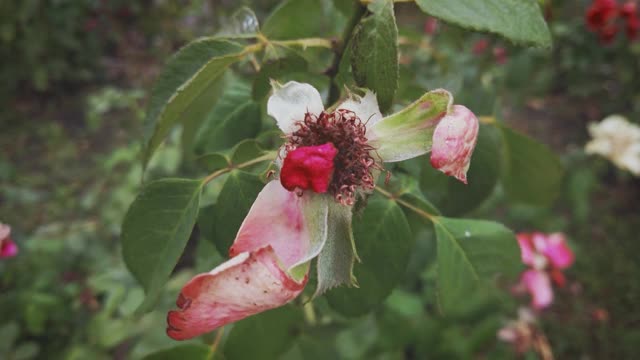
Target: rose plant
x,y
337,196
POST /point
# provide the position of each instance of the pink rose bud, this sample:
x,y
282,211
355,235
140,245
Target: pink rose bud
x,y
309,167
453,142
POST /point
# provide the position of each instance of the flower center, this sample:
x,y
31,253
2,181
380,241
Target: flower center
x,y
354,163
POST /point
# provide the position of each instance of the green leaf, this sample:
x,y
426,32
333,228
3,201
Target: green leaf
x,y
335,262
294,19
181,352
409,132
532,173
236,197
384,241
281,61
521,21
264,336
456,198
374,56
156,229
188,77
235,117
470,254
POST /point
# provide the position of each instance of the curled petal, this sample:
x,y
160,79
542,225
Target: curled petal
x,y
291,101
245,285
366,107
453,142
309,167
268,268
538,285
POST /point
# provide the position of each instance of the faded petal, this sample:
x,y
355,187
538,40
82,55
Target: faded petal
x,y
453,142
268,268
5,231
291,101
245,285
365,107
409,132
295,226
309,167
538,285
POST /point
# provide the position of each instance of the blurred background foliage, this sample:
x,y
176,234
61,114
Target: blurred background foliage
x,y
76,76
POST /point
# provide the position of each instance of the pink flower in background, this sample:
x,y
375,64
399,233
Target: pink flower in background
x,y
329,160
547,255
480,46
431,26
8,248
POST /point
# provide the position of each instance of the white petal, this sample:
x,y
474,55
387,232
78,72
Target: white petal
x,y
366,107
290,102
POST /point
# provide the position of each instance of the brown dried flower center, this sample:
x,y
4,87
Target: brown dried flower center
x,y
355,162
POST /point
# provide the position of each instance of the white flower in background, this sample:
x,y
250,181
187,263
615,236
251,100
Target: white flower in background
x,y
618,140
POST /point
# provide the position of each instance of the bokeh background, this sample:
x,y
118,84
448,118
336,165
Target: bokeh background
x,y
76,75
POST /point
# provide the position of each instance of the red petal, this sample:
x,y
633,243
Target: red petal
x,y
309,167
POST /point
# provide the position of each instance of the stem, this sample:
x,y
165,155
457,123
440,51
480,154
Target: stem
x,y
268,156
332,72
413,208
308,42
309,313
216,342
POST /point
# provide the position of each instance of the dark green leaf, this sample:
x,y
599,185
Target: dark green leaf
x,y
518,20
470,254
156,229
186,80
236,117
235,199
384,241
374,56
532,173
456,198
294,19
264,336
181,352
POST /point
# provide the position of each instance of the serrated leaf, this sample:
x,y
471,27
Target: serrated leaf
x,y
187,76
294,19
234,201
532,173
374,57
264,336
335,262
181,352
156,229
384,240
456,198
470,254
234,118
521,21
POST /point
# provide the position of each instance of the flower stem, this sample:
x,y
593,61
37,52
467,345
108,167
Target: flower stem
x,y
216,342
332,72
268,156
417,210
